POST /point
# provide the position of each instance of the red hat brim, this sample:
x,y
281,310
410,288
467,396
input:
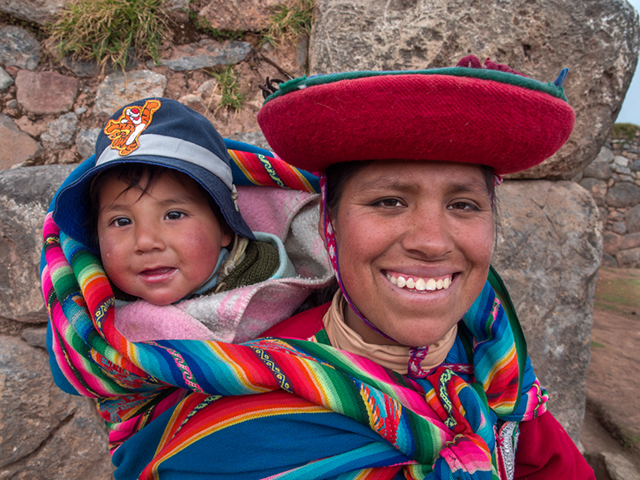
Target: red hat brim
x,y
487,119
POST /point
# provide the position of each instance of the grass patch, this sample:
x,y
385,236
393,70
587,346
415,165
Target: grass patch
x,y
625,131
229,89
290,19
620,291
110,31
596,345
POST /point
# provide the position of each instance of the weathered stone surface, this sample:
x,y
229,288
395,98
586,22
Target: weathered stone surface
x,y
548,252
608,261
15,146
628,258
60,132
599,170
632,219
86,142
611,242
44,432
5,79
599,41
37,11
45,92
36,337
25,194
620,468
252,138
597,188
18,48
194,102
243,15
622,195
619,227
118,89
289,57
631,240
206,53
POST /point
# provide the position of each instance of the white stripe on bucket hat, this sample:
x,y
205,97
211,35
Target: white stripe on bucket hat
x,y
154,145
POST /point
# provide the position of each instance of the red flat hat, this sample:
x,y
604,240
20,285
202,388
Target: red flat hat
x,y
460,114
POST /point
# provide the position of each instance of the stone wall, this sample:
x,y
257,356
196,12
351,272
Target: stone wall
x,y
614,181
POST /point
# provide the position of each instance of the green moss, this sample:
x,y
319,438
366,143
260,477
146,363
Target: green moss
x,y
624,131
110,31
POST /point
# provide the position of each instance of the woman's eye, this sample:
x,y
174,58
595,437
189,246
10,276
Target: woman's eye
x,y
174,215
121,222
387,202
462,206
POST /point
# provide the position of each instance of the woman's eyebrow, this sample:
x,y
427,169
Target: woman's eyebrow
x,y
402,185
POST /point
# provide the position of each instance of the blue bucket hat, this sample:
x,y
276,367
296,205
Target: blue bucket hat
x,y
153,131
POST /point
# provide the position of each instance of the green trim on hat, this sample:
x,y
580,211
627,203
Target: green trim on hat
x,y
481,73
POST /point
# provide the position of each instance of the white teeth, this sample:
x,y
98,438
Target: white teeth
x,y
420,284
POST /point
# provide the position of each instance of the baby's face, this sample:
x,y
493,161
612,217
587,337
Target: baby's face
x,y
162,245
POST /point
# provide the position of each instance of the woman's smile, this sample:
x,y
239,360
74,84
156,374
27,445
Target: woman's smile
x,y
414,243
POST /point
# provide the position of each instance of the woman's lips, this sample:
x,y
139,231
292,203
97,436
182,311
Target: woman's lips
x,y
420,284
158,274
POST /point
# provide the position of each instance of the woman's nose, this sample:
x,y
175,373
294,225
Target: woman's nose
x,y
428,235
148,237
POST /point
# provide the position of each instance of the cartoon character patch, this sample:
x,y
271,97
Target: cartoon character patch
x,y
124,131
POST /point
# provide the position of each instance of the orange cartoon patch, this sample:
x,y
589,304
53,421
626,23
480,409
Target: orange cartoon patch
x,y
124,131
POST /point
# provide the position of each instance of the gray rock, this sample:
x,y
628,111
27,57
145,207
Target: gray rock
x,y
90,68
252,15
611,242
252,138
5,79
619,227
36,337
206,53
623,194
548,251
86,142
19,48
25,194
632,219
45,432
620,160
385,35
635,166
45,92
598,188
80,110
598,170
15,146
631,240
37,11
608,261
628,258
118,89
605,155
619,467
60,132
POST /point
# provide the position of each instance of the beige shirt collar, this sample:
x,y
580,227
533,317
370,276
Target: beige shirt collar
x,y
394,357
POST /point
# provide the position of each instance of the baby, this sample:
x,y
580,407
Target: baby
x,y
159,208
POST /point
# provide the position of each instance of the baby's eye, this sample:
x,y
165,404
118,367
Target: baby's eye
x,y
173,215
121,222
462,206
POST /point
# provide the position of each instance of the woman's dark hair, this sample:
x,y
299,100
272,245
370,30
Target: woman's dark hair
x,y
132,176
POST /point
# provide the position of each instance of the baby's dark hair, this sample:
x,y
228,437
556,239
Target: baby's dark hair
x,y
141,176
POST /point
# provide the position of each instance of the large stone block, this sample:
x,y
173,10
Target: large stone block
x,y
548,252
45,433
597,39
38,11
25,194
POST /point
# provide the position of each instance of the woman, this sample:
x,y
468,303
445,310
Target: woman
x,y
417,368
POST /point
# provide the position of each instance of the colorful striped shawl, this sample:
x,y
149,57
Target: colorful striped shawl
x,y
171,404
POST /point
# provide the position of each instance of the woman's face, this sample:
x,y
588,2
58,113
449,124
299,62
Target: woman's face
x,y
414,244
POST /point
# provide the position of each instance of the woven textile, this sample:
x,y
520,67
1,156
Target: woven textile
x,y
438,427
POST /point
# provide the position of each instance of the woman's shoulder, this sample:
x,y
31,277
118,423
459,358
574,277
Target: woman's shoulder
x,y
300,326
